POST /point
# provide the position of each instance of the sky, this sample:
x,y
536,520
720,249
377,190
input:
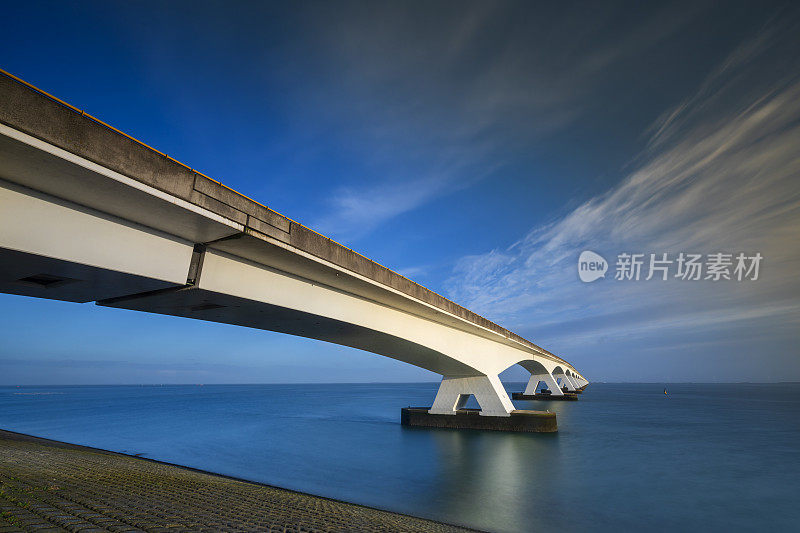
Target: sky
x,y
477,148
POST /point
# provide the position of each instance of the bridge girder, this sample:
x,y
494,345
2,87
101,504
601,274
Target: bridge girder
x,y
127,245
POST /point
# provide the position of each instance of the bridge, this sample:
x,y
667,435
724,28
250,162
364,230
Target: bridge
x,y
90,214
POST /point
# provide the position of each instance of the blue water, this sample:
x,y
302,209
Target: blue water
x,y
711,457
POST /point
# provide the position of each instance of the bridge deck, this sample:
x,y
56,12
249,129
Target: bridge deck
x,y
36,113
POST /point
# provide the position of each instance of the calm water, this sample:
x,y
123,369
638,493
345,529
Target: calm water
x,y
712,457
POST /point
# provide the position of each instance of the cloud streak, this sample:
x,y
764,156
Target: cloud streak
x,y
438,103
720,173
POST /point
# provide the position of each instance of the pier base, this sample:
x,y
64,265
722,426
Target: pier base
x,y
519,420
567,396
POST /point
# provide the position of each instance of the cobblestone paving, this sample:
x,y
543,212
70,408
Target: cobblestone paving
x,y
53,486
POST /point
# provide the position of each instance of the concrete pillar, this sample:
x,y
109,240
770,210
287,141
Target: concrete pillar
x,y
567,383
488,391
549,380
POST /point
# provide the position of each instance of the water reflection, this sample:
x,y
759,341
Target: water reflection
x,y
491,480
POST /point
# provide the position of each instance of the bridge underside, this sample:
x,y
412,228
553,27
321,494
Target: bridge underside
x,y
44,277
47,260
74,231
196,303
34,275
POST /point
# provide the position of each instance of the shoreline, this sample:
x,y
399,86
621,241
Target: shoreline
x,y
69,483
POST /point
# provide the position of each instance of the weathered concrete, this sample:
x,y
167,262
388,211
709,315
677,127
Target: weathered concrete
x,y
89,214
518,420
52,486
488,391
31,111
540,374
547,397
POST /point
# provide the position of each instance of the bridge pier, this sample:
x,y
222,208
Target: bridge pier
x,y
555,391
488,391
576,384
565,382
551,383
496,410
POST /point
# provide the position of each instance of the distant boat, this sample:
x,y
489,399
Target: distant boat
x,y
665,390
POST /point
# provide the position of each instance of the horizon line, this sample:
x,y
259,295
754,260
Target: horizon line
x,y
381,383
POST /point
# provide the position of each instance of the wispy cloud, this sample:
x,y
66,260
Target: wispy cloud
x,y
354,212
720,173
438,103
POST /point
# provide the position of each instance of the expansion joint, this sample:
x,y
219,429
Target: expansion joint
x,y
196,264
199,254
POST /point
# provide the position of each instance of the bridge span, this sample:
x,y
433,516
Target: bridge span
x,y
89,214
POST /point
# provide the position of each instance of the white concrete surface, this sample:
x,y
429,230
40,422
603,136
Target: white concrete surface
x,y
488,391
117,240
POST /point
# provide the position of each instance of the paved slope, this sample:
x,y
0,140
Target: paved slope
x,y
52,486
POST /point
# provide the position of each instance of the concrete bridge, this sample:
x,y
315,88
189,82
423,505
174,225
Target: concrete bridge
x,y
89,214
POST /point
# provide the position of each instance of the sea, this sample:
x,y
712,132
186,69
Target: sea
x,y
703,457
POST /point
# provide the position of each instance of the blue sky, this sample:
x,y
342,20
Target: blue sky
x,y
477,148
